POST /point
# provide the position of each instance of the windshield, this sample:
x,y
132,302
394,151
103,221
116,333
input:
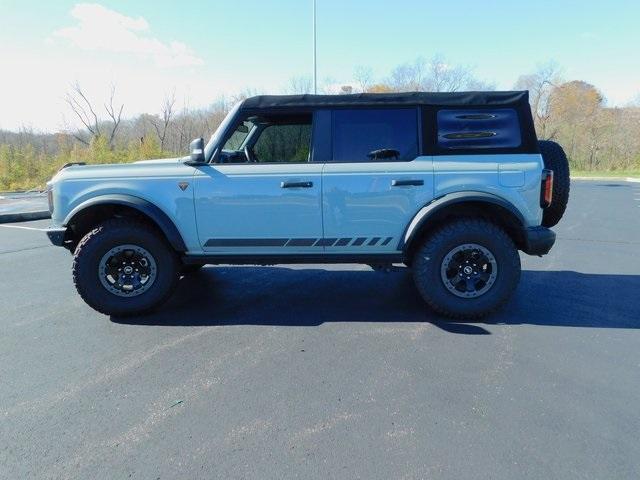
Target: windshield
x,y
217,135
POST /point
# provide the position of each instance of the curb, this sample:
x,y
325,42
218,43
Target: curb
x,y
24,216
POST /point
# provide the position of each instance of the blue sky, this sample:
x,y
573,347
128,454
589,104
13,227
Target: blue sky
x,y
206,49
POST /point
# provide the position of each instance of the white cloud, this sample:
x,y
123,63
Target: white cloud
x,y
101,29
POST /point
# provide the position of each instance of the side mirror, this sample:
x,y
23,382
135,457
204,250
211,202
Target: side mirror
x,y
196,151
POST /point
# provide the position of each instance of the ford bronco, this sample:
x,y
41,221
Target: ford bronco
x,y
450,184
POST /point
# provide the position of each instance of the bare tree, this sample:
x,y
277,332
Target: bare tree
x,y
541,84
244,94
185,123
299,85
84,110
409,76
444,77
115,117
161,123
435,75
329,86
364,77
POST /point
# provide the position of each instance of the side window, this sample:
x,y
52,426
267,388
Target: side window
x,y
238,136
375,135
478,129
283,143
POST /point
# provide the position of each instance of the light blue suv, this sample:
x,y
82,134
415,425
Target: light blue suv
x,y
450,184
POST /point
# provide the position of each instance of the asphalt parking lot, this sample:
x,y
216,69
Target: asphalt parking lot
x,y
330,372
11,203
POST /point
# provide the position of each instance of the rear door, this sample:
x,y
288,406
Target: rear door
x,y
375,179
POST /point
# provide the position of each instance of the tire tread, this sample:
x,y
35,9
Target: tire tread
x,y
435,242
555,159
101,233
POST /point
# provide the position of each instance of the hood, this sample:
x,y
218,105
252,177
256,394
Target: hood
x,y
159,161
142,169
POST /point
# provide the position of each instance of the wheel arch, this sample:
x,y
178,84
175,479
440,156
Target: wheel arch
x,y
88,214
462,204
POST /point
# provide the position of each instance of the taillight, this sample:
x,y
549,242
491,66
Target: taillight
x,y
546,190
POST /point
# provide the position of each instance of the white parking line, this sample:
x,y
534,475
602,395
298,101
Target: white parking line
x,y
24,228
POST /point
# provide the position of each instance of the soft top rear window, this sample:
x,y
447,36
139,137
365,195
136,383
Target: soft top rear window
x,y
463,129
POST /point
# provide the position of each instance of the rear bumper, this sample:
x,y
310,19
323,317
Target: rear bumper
x,y
538,240
57,236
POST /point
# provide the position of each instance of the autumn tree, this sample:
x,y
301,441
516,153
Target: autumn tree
x,y
380,88
575,108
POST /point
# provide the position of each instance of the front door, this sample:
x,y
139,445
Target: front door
x,y
265,195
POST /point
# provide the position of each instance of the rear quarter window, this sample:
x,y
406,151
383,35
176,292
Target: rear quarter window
x,y
478,129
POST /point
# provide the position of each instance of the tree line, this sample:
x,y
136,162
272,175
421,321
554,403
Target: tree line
x,y
571,112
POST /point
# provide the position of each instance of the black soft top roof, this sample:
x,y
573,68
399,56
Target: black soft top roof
x,y
438,99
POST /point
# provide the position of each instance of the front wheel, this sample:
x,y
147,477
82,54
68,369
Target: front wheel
x,y
467,268
124,267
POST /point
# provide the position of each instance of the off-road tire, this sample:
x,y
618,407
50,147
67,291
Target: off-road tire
x,y
430,255
112,233
555,159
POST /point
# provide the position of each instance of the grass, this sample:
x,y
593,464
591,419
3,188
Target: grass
x,y
606,173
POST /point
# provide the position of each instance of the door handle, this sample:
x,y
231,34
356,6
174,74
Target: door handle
x,y
406,183
296,184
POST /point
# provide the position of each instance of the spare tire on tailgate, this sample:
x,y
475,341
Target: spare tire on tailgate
x,y
555,159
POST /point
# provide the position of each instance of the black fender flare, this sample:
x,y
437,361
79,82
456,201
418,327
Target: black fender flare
x,y
157,215
437,205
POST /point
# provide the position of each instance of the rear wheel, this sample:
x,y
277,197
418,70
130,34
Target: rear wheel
x,y
467,268
124,267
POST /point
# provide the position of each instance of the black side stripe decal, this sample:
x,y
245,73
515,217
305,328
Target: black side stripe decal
x,y
295,242
326,242
301,242
246,242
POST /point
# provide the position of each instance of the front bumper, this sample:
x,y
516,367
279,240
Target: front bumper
x,y
57,236
538,240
